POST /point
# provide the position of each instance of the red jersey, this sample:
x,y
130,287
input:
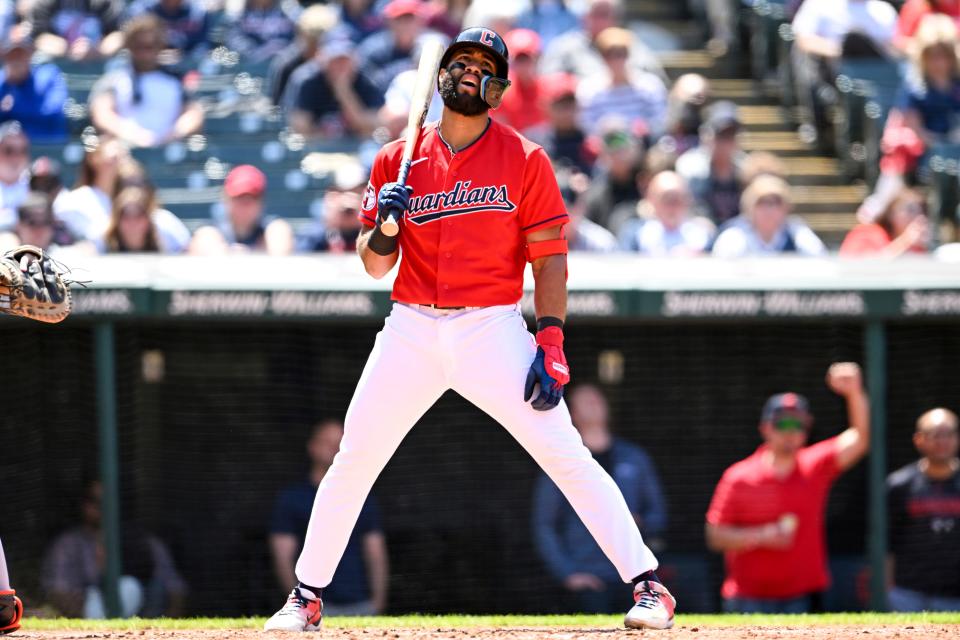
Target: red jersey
x,y
749,494
462,239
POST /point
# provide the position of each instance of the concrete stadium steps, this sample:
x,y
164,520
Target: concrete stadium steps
x,y
820,196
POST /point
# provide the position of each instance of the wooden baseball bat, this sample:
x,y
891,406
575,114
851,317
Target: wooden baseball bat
x,y
423,90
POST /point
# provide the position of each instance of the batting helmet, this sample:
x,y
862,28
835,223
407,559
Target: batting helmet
x,y
483,38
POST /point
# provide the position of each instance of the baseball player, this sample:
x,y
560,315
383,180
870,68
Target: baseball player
x,y
31,286
11,609
481,201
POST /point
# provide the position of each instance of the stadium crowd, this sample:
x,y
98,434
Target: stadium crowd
x,y
646,165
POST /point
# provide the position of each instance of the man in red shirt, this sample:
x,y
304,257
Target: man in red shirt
x,y
480,202
767,513
524,106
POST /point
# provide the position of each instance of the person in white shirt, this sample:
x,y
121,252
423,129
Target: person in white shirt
x,y
764,226
819,28
821,25
666,227
639,97
143,104
14,177
85,210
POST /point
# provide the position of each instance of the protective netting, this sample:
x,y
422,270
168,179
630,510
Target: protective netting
x,y
214,417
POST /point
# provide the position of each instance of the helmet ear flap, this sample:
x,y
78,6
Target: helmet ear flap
x,y
492,89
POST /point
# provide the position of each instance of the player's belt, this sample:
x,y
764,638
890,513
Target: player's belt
x,y
440,308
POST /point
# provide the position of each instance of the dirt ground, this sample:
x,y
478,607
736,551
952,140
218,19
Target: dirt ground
x,y
681,632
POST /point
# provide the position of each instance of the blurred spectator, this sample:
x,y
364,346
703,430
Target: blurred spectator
x,y
77,29
445,16
618,166
394,113
548,18
357,20
387,53
341,202
563,542
33,95
639,97
45,178
35,222
359,585
564,140
143,104
523,105
498,15
576,52
913,11
187,23
8,18
312,25
14,177
821,28
261,30
768,510
246,228
924,514
685,105
72,572
330,98
582,234
926,110
173,235
85,210
668,228
764,225
761,163
131,228
713,168
902,228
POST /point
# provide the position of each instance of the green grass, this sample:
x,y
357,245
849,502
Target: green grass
x,y
462,621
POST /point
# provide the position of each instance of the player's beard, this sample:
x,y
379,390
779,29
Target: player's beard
x,y
462,103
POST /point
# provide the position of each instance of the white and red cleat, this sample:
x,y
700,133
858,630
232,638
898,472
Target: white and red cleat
x,y
299,614
653,608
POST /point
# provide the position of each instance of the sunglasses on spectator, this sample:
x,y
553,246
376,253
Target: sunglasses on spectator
x,y
9,150
36,223
146,46
770,201
616,52
940,432
133,212
790,423
915,208
672,197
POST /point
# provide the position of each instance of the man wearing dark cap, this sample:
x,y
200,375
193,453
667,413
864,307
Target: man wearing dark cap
x,y
713,169
32,95
768,511
330,97
35,222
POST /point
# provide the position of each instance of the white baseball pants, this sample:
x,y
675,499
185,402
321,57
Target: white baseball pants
x,y
484,355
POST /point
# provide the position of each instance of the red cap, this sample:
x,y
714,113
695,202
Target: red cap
x,y
523,41
245,180
558,85
398,8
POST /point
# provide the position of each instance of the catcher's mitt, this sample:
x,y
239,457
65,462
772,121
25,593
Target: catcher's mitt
x,y
32,287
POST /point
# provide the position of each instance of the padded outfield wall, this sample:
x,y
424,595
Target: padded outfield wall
x,y
190,386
